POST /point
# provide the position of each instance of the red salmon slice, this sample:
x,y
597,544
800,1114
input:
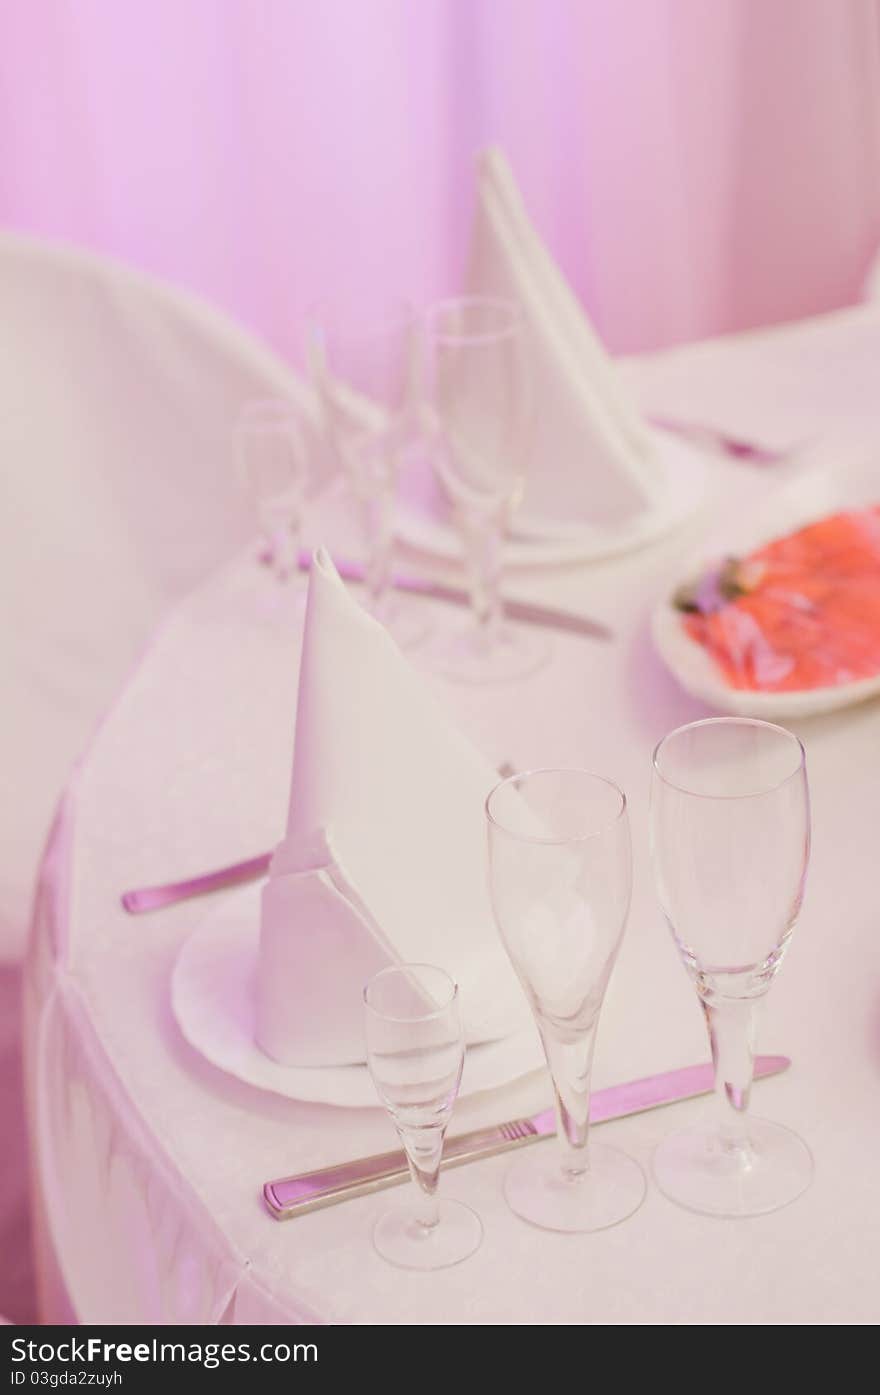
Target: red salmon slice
x,y
810,613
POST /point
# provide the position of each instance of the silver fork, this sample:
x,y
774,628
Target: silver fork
x,y
513,1132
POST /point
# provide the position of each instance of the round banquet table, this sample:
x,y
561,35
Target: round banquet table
x,y
149,1161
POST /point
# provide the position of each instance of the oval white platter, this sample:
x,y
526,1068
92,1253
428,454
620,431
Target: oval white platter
x,y
213,999
802,500
684,471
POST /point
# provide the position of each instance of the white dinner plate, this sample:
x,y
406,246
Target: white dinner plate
x,y
682,467
804,499
213,998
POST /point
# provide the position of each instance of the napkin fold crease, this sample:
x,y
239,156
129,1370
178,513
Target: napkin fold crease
x,y
591,465
384,857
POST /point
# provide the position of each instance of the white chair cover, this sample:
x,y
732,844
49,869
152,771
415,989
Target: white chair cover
x,y
871,287
117,494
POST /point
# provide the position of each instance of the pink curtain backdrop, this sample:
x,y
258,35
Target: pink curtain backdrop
x,y
696,167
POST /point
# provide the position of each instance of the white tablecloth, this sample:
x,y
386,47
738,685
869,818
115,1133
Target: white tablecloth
x,y
150,1161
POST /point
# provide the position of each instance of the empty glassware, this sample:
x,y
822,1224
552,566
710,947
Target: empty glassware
x,y
560,877
477,415
730,840
415,1052
273,462
362,360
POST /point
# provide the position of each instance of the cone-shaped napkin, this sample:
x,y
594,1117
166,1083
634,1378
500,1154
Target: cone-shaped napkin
x,y
384,861
591,462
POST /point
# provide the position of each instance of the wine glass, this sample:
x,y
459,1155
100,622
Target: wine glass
x,y
415,1051
730,842
362,360
477,416
273,462
560,875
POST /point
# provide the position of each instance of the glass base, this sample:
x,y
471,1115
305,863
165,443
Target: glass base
x,y
539,1191
283,562
281,599
401,1239
465,657
699,1170
407,624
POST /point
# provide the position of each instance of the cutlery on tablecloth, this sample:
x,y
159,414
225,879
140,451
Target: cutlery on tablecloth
x,y
529,612
153,898
736,447
294,1196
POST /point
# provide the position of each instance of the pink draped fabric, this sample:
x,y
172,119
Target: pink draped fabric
x,y
696,167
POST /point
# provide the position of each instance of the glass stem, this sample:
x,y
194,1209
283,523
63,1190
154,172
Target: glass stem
x,y
285,549
483,538
379,530
731,1024
571,1066
424,1149
275,550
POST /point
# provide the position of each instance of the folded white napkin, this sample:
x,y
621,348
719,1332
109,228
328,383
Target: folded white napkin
x,y
591,461
384,861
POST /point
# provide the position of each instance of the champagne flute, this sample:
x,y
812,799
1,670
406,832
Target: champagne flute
x,y
730,841
273,463
361,360
560,876
477,414
415,1052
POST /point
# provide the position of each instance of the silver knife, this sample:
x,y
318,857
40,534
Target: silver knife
x,y
527,611
294,1196
735,447
153,898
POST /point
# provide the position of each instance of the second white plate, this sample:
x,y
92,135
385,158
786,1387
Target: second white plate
x,y
802,500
